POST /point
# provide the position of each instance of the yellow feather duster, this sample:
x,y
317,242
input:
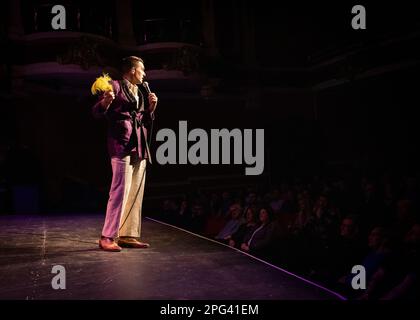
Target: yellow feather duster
x,y
102,84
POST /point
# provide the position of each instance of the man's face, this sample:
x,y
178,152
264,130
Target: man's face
x,y
235,211
264,216
323,201
250,215
375,238
413,236
138,73
347,228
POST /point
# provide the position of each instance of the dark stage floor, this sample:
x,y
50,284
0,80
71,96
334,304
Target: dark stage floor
x,y
179,265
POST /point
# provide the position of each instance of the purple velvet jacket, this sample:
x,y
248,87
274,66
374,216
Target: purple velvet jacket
x,y
124,134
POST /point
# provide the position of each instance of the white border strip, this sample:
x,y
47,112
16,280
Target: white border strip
x,y
253,257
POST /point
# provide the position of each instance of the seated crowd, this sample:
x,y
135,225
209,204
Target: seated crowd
x,y
318,228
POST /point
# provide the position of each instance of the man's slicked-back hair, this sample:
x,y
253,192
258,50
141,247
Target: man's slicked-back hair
x,y
129,62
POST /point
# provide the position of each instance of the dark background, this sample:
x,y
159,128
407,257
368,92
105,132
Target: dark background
x,y
332,100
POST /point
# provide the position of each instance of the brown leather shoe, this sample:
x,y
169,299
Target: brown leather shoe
x,y
108,244
131,242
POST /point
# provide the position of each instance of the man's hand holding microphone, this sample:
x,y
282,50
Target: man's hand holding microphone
x,y
152,97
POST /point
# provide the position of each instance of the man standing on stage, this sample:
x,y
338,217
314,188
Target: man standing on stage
x,y
129,116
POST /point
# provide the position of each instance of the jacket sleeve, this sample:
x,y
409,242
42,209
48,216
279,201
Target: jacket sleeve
x,y
98,111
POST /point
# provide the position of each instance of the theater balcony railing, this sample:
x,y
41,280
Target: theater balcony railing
x,y
78,53
175,60
64,58
173,53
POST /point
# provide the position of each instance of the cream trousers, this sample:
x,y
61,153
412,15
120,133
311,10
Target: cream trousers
x,y
123,213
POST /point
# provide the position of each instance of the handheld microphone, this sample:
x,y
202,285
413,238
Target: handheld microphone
x,y
146,86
